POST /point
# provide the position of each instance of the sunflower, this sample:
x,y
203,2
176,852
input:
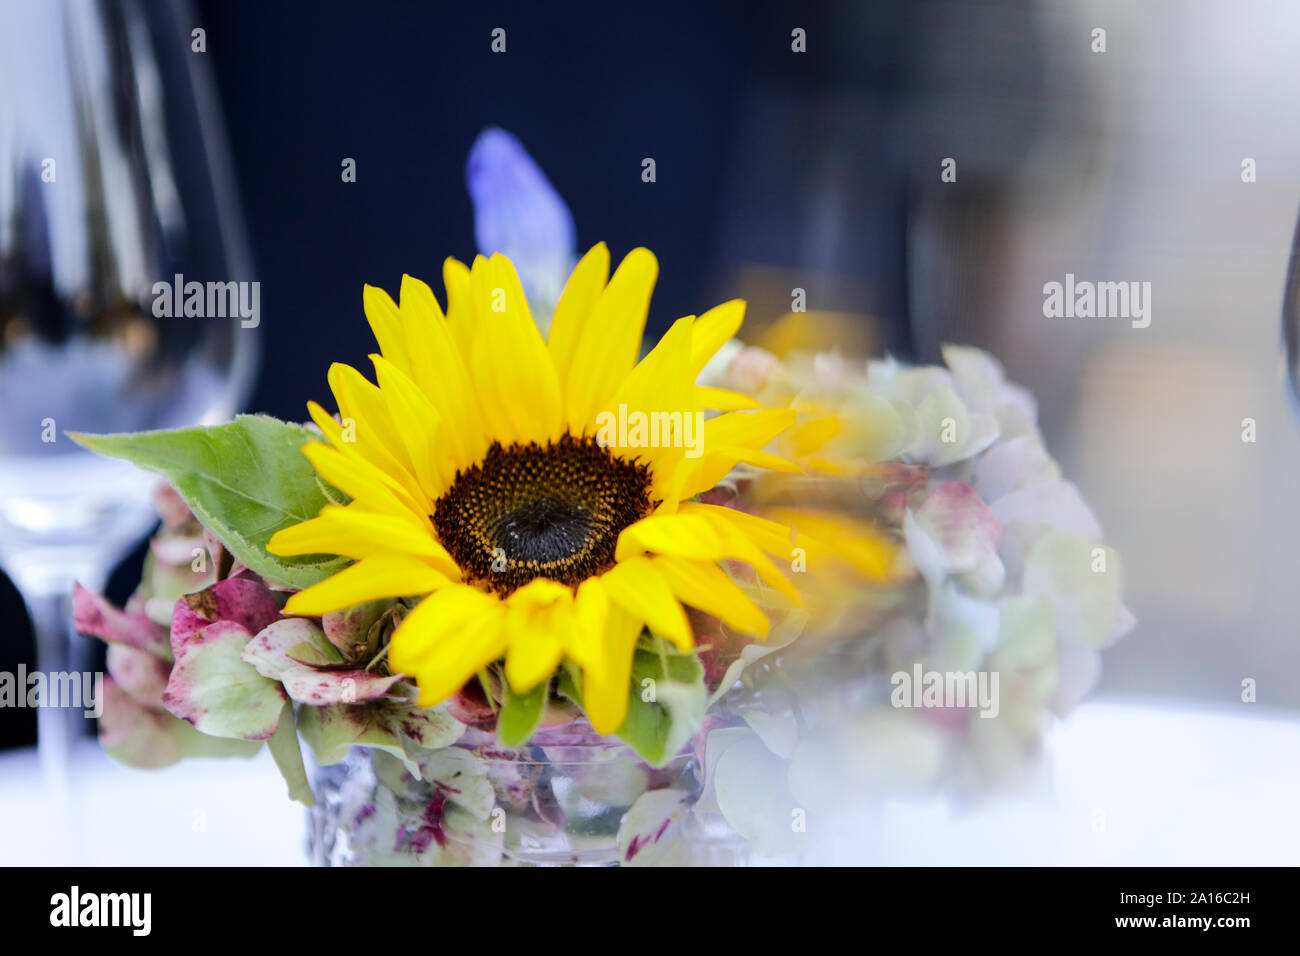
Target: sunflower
x,y
483,473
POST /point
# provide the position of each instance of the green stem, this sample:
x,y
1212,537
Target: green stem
x,y
378,658
487,689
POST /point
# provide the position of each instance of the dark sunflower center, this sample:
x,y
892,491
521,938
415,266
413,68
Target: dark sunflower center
x,y
530,511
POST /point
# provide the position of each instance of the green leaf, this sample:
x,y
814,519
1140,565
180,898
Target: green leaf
x,y
568,683
288,757
521,714
244,481
666,702
657,660
665,713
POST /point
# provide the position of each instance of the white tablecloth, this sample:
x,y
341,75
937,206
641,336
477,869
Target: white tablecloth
x,y
1128,784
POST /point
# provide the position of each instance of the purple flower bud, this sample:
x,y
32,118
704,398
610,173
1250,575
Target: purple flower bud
x,y
518,213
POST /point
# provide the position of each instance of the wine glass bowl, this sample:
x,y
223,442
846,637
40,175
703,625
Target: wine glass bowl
x,y
115,188
112,183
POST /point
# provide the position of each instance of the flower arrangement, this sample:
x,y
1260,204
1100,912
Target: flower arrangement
x,y
1003,590
533,596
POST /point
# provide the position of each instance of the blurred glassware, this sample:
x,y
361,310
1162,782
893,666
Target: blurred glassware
x,y
570,797
1291,321
113,177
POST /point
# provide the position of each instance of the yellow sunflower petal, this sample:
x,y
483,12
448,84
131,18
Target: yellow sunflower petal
x,y
360,480
460,305
703,534
605,642
439,369
356,533
738,545
384,574
374,436
421,428
691,536
518,390
725,400
590,610
636,586
660,383
450,636
386,323
752,429
732,438
706,586
772,536
539,625
570,322
342,440
810,435
713,330
842,537
603,350
714,466
330,428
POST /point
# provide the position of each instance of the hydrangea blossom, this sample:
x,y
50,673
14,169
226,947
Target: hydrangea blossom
x,y
1010,576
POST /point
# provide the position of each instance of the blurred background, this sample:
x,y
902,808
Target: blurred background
x,y
822,170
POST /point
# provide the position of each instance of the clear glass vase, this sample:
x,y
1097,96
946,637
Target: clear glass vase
x,y
569,798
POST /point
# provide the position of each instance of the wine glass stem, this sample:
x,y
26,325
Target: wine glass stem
x,y
60,653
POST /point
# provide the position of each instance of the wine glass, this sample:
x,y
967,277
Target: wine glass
x,y
1291,322
114,184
